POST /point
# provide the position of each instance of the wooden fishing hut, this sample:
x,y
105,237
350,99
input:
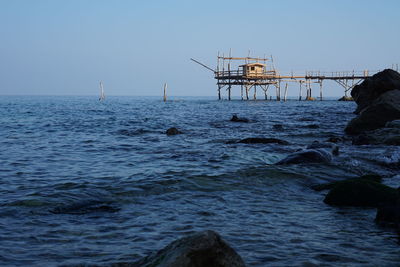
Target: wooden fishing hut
x,y
255,72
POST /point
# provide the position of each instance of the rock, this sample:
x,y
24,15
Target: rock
x,y
371,88
361,193
200,249
256,140
346,98
307,156
173,131
382,110
334,139
388,215
278,127
84,207
311,126
235,118
382,136
372,177
362,139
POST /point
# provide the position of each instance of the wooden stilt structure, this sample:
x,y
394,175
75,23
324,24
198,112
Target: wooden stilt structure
x,y
255,72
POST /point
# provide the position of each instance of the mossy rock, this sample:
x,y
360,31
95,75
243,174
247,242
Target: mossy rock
x,y
361,193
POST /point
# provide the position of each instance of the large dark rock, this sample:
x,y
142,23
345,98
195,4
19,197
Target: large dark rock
x,y
361,193
307,156
202,249
382,136
259,140
372,177
382,110
371,88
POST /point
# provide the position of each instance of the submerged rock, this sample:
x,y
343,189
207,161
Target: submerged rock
x,y
235,118
259,140
84,207
200,249
389,215
361,193
307,156
335,139
173,131
372,177
278,127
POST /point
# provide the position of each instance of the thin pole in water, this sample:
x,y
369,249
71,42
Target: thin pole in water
x,y
165,92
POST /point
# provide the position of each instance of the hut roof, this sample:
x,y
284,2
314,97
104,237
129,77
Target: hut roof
x,y
253,64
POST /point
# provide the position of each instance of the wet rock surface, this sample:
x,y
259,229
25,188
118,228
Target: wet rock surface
x,y
378,102
202,249
307,156
361,193
370,89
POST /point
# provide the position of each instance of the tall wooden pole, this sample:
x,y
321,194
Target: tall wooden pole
x,y
300,92
255,92
286,89
165,92
320,90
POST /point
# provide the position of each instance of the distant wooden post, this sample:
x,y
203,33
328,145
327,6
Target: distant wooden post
x,y
320,90
300,92
286,89
229,92
165,92
241,91
255,92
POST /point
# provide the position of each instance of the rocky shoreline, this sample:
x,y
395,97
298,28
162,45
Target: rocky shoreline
x,y
377,123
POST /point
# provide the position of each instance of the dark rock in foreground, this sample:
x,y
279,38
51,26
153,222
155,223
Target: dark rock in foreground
x,y
384,109
383,136
173,131
202,249
378,101
361,193
371,88
235,118
307,156
257,140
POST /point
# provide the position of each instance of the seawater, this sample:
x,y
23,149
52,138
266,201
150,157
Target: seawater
x,y
59,154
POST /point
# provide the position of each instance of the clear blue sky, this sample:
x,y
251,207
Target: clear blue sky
x,y
66,47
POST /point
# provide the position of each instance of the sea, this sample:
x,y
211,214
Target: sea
x,y
89,182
